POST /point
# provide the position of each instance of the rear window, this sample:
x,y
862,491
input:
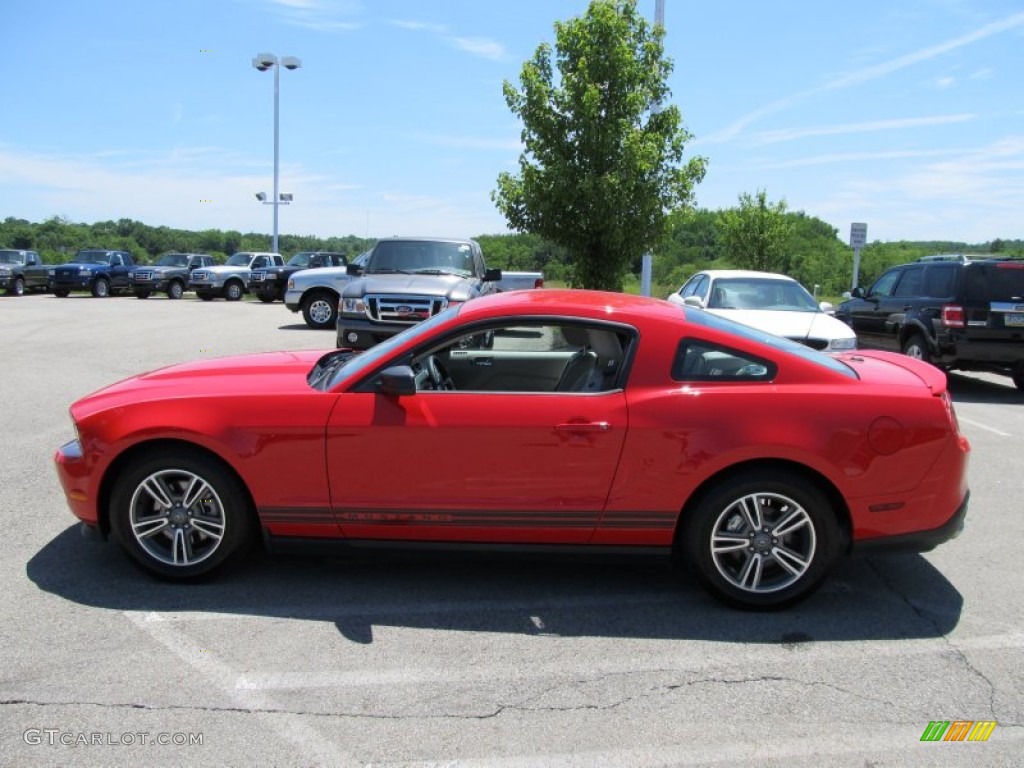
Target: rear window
x,y
999,281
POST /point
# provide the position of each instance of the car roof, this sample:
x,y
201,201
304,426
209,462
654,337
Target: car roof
x,y
413,238
572,302
725,273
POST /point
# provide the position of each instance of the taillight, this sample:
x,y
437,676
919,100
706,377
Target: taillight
x,y
953,316
538,283
947,401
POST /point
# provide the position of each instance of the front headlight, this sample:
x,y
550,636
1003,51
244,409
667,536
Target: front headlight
x,y
353,306
5,271
842,344
291,284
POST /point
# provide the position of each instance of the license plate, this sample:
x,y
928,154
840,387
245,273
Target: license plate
x,y
1014,319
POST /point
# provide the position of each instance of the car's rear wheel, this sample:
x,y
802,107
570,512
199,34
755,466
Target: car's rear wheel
x,y
18,289
267,298
233,290
204,295
61,293
320,310
180,515
175,290
143,294
762,540
101,288
916,347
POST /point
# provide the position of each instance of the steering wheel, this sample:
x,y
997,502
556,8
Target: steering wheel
x,y
438,374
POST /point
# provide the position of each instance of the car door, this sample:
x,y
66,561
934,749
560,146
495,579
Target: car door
x,y
478,464
870,315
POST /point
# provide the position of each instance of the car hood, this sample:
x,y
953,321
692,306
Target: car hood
x,y
158,269
792,325
429,285
268,373
80,264
321,274
222,268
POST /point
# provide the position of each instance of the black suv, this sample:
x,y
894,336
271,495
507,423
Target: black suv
x,y
951,311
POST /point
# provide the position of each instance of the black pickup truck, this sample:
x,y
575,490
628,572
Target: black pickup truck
x,y
22,272
269,284
169,275
407,280
97,270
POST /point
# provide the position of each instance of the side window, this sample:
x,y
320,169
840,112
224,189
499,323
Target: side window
x,y
690,286
940,281
884,285
698,360
534,357
911,284
259,261
115,260
701,287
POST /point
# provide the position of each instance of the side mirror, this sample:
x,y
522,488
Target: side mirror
x,y
694,301
31,262
353,270
492,275
826,307
858,293
398,380
847,295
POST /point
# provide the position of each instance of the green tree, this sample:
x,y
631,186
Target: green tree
x,y
757,234
600,172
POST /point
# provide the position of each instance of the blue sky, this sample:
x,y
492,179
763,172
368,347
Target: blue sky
x,y
905,114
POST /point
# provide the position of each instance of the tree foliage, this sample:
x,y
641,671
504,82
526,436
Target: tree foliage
x,y
600,172
756,235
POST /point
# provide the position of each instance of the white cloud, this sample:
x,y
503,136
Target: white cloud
x,y
943,83
479,46
774,137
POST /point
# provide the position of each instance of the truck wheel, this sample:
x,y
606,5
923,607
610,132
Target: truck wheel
x,y
1018,376
142,294
101,288
233,290
180,515
175,290
320,310
267,298
61,293
916,347
18,289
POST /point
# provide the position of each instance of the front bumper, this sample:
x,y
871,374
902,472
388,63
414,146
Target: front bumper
x,y
82,283
360,333
77,482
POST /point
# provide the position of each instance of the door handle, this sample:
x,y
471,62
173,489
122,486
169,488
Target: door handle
x,y
584,426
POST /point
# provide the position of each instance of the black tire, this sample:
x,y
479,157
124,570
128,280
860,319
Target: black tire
x,y
267,298
917,347
204,295
320,310
1018,376
61,293
101,288
209,519
142,294
175,290
18,287
759,564
233,290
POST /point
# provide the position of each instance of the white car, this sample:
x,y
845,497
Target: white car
x,y
769,302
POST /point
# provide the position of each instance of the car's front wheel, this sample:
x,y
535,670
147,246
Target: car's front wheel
x,y
205,295
762,540
180,514
233,290
101,288
61,293
18,288
1018,376
267,297
175,289
916,347
320,310
143,294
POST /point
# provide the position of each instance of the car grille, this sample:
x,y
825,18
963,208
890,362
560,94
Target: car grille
x,y
143,276
403,309
66,272
200,275
259,277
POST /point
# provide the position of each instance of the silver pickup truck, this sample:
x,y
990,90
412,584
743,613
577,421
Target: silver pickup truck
x,y
231,279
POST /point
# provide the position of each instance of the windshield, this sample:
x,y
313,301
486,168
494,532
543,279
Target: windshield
x,y
11,257
761,293
239,260
366,361
91,257
718,323
300,259
422,256
173,260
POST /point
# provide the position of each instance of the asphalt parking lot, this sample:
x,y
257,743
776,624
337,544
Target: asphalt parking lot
x,y
388,661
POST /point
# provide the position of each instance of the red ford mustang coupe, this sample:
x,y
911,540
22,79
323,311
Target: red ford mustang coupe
x,y
547,420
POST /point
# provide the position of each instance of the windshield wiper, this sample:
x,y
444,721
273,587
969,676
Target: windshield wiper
x,y
432,271
390,271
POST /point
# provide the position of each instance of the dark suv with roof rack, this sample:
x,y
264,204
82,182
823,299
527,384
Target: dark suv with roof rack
x,y
952,311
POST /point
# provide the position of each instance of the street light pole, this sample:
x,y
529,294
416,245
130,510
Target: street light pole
x,y
647,263
263,62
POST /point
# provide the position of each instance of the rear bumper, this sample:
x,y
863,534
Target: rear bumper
x,y
919,541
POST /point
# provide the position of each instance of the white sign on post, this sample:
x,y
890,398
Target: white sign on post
x,y
858,239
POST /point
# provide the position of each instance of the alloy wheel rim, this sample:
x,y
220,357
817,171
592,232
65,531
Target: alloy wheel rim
x,y
763,542
177,517
320,311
